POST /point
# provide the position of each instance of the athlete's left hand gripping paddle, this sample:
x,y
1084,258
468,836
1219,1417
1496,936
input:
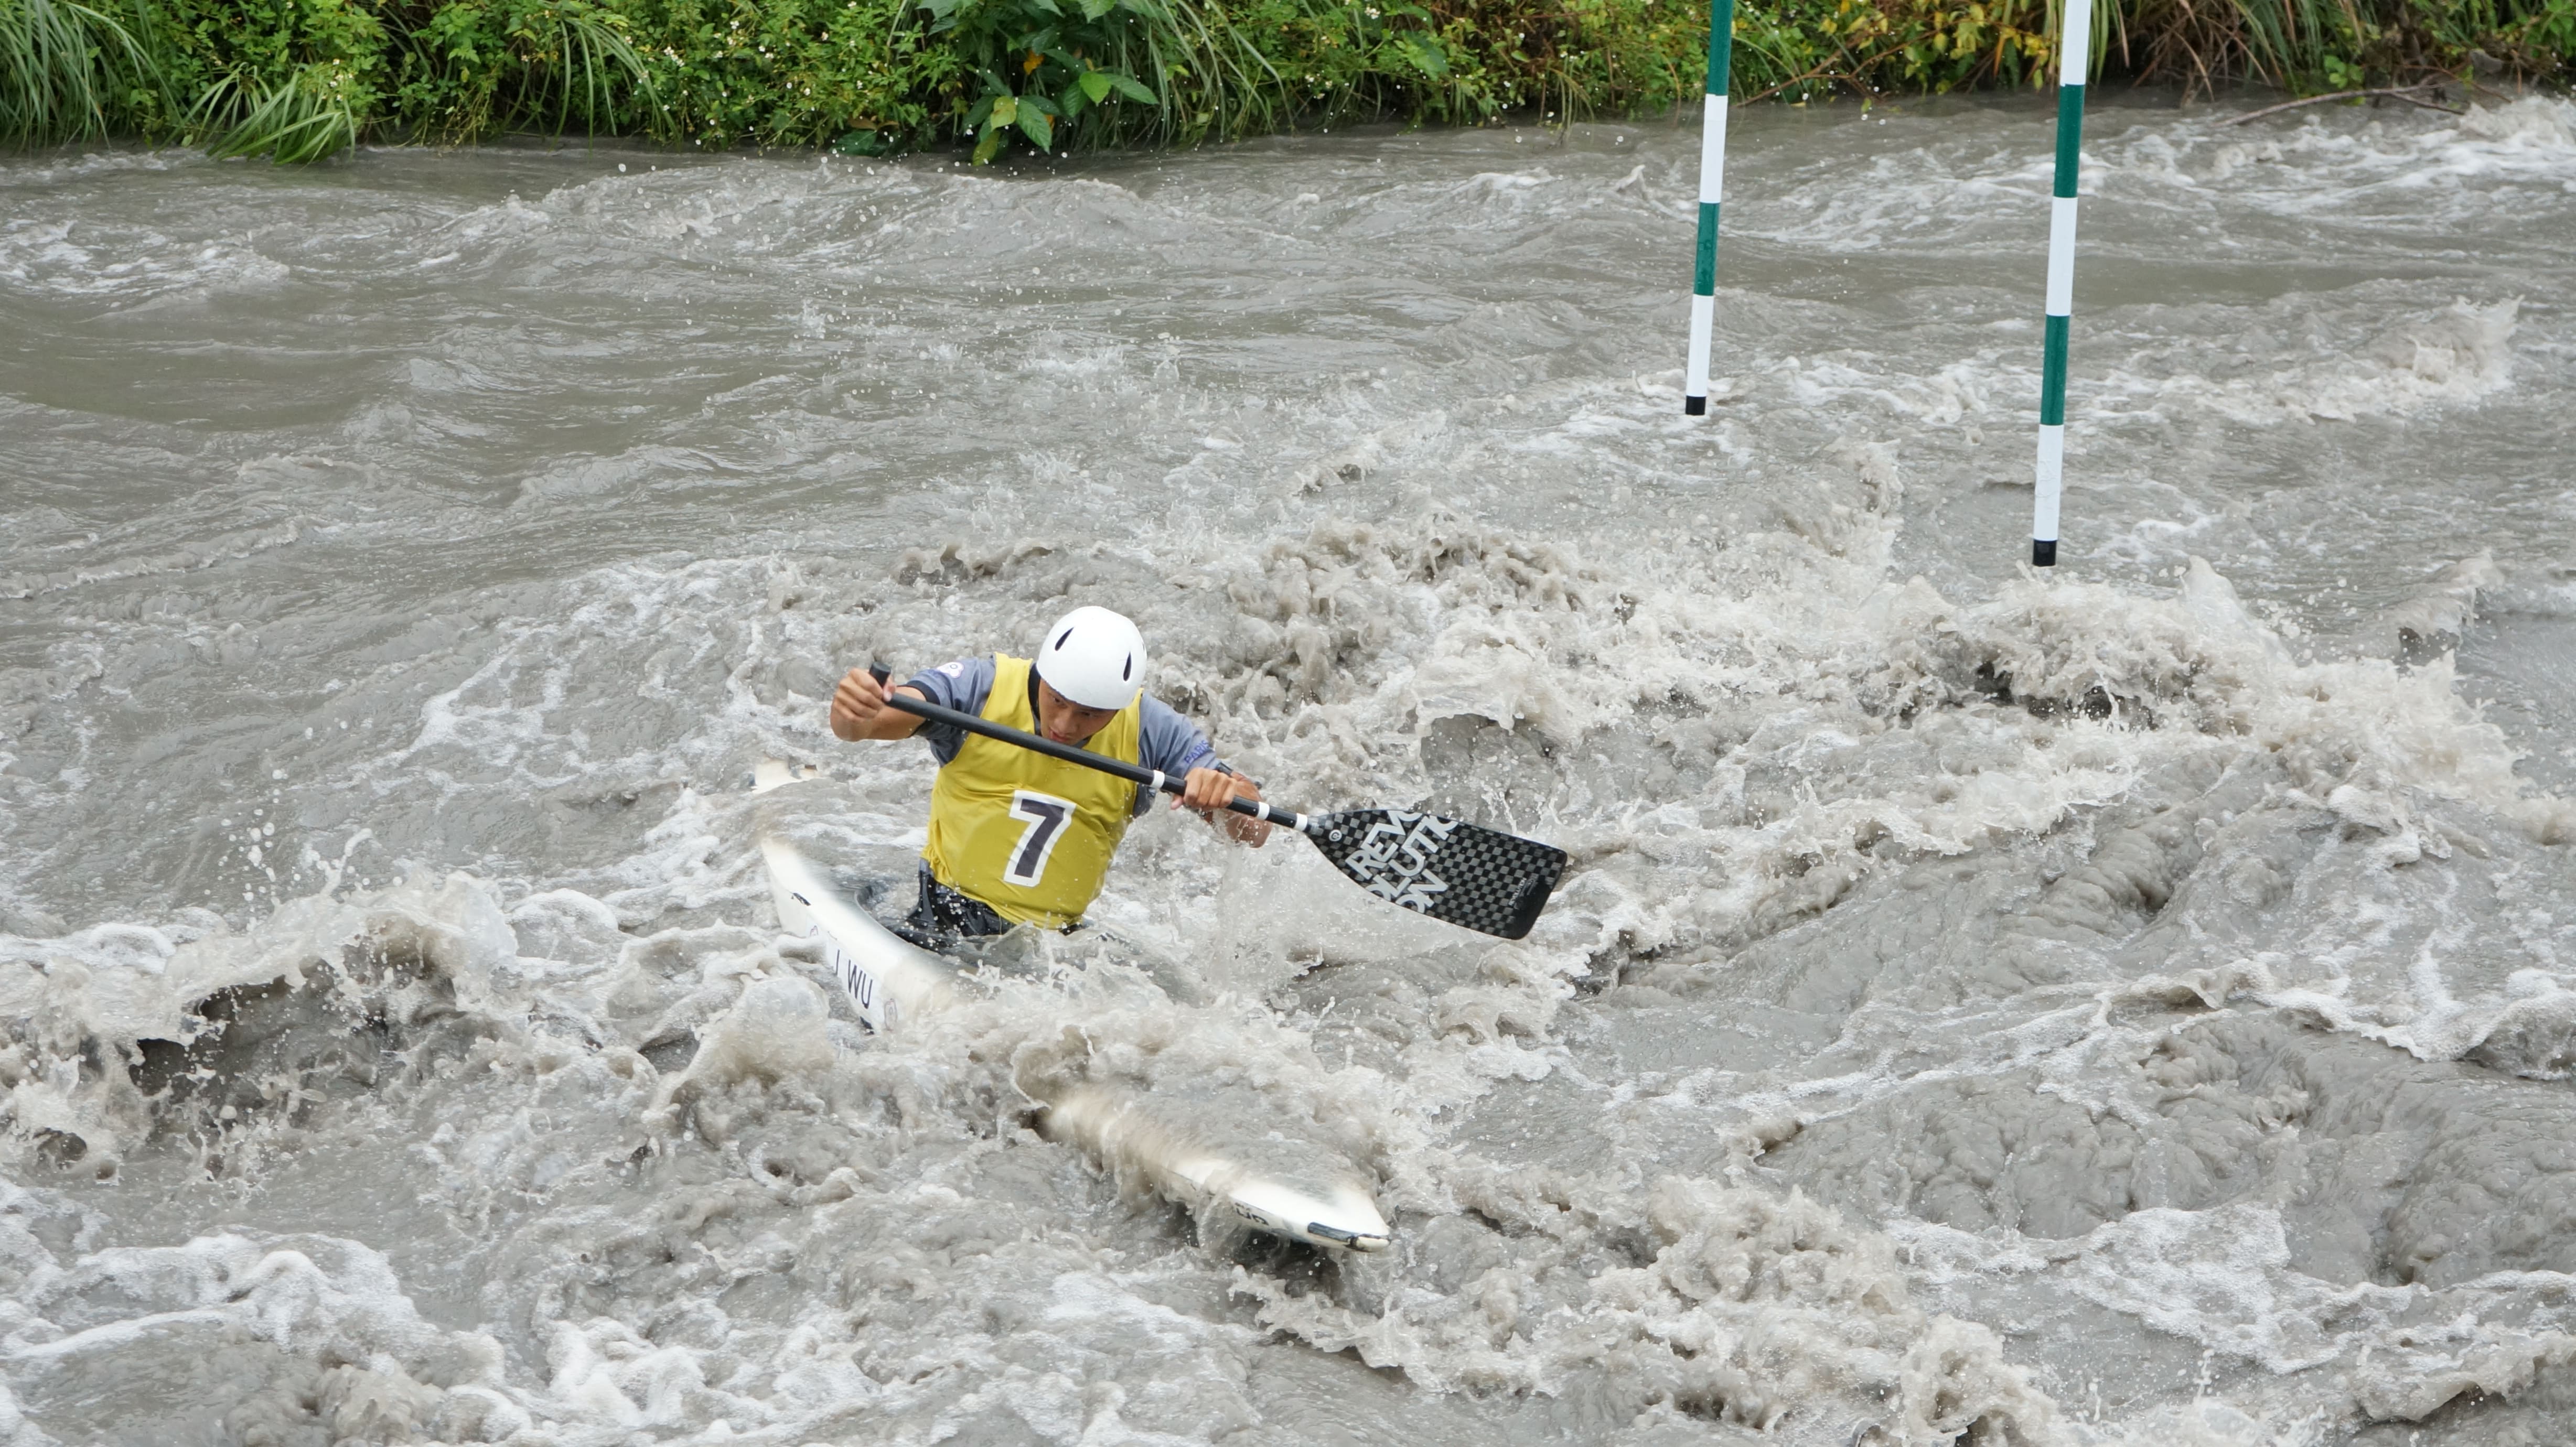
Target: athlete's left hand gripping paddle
x,y
1465,874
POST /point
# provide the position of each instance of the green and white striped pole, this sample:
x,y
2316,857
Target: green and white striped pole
x,y
1712,188
2074,49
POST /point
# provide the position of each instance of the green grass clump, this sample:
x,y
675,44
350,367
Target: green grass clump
x,y
71,71
298,80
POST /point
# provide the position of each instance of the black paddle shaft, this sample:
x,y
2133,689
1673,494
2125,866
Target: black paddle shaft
x,y
1468,875
1076,754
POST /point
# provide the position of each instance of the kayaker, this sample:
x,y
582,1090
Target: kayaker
x,y
1020,838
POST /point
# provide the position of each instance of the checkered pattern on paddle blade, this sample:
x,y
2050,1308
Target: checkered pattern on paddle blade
x,y
1479,878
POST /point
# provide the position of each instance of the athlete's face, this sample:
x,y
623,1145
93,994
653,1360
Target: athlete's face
x,y
1065,721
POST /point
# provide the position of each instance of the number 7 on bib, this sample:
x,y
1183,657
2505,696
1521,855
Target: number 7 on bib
x,y
1047,816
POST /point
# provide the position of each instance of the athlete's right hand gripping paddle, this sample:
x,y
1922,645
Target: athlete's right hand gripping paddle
x,y
1466,874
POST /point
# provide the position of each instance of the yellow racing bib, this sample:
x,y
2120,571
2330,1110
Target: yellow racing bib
x,y
1028,835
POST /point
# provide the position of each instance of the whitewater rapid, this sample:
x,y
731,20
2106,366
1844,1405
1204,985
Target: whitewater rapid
x,y
2128,1004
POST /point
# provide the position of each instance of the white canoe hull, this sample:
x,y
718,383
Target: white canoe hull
x,y
891,981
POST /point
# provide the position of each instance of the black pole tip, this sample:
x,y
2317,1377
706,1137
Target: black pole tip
x,y
2043,554
1694,406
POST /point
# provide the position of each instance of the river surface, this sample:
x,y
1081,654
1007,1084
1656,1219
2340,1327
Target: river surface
x,y
2133,1003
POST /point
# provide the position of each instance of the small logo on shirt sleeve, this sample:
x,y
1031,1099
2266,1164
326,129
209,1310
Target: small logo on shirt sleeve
x,y
955,669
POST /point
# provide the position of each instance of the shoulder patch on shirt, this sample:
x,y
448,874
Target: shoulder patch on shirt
x,y
955,668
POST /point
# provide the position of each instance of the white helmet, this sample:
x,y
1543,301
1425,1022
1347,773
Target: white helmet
x,y
1094,657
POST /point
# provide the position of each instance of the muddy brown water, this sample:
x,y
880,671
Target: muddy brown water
x,y
2131,1004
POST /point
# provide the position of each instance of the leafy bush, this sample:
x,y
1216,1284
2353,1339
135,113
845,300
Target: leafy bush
x,y
296,80
293,80
470,69
1036,63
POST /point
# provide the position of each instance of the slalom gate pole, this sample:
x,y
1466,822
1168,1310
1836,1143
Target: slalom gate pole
x,y
1712,187
2074,51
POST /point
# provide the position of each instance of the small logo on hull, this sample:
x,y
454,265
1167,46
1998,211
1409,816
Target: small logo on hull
x,y
866,991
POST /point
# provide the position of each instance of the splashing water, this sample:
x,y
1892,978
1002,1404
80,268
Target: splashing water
x,y
2132,1005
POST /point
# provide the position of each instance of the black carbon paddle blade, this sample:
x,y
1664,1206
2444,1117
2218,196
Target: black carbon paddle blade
x,y
1471,876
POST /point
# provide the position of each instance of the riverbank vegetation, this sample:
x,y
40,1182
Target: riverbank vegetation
x,y
297,80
